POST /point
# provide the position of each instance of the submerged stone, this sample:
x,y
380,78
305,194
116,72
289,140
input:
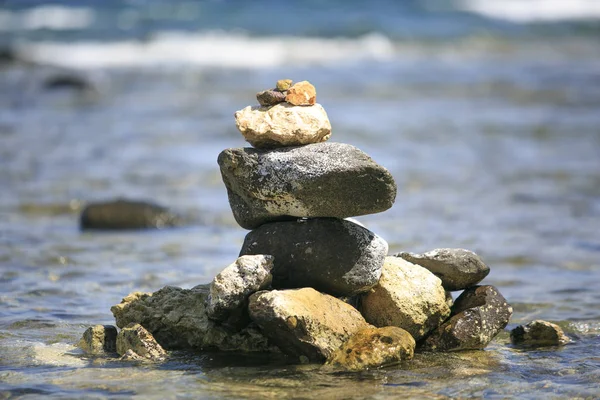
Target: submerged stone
x,y
478,315
283,125
407,296
99,339
318,180
127,214
304,322
538,334
373,348
331,255
228,294
458,269
137,339
177,318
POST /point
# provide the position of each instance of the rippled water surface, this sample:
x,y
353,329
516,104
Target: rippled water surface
x,y
493,139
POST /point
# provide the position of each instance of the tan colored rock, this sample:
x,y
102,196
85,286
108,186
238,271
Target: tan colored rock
x,y
373,348
302,94
538,333
283,125
304,322
99,339
229,291
283,84
136,338
177,319
407,296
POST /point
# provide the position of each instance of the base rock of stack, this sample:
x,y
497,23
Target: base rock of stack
x,y
334,256
458,269
479,314
304,322
318,180
177,319
283,125
227,300
407,296
373,348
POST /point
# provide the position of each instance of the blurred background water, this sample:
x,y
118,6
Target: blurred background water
x,y
487,113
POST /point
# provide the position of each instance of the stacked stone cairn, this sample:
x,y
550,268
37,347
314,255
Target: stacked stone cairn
x,y
310,282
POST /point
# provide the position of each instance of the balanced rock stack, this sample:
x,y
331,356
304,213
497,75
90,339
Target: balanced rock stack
x,y
309,282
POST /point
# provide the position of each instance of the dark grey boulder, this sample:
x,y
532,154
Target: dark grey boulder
x,y
127,214
334,256
458,269
317,180
478,315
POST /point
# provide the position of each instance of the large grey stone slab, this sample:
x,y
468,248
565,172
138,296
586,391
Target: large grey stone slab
x,y
334,256
458,269
317,180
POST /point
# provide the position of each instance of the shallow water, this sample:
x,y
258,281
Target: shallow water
x,y
493,139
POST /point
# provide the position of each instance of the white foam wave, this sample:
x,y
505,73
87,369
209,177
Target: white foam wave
x,y
213,49
47,17
534,10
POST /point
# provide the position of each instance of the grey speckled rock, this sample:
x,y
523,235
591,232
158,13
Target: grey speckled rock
x,y
304,322
373,348
407,296
134,337
228,296
317,180
99,339
177,319
538,334
479,314
457,268
331,255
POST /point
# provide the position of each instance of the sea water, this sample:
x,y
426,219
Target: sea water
x,y
485,112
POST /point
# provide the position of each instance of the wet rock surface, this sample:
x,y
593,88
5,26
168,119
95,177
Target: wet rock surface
x,y
538,334
304,322
99,339
283,125
125,214
334,256
407,296
457,268
177,319
478,315
373,348
319,180
135,338
229,291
